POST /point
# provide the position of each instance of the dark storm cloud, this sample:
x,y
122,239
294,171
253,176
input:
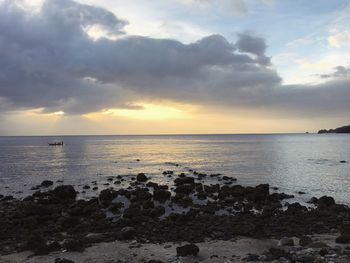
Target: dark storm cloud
x,y
47,60
340,72
253,45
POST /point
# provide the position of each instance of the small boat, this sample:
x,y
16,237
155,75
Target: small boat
x,y
56,143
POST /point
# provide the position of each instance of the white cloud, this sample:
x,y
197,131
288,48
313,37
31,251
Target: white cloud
x,y
235,7
153,19
339,39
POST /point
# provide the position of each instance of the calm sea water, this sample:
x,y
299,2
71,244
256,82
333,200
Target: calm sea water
x,y
292,162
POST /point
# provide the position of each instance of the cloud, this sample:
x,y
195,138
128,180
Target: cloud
x,y
339,39
340,72
253,45
49,62
235,7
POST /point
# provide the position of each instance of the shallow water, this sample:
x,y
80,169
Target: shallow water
x,y
292,162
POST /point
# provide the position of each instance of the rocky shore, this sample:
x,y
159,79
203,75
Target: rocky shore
x,y
343,129
55,219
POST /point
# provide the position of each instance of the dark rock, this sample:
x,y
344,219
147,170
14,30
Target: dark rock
x,y
187,250
157,211
201,175
86,187
344,237
75,211
95,237
63,260
276,253
37,244
161,195
70,221
7,198
323,252
326,201
251,257
305,241
127,233
317,244
259,193
184,188
74,245
148,204
65,192
182,199
140,195
286,242
132,212
199,187
184,180
54,246
106,196
115,207
305,258
280,196
141,177
201,196
46,183
296,208
152,184
345,229
227,178
313,200
344,129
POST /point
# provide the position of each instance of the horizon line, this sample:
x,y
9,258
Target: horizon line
x,y
160,134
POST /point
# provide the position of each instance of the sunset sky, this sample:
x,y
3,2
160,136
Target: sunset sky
x,y
173,66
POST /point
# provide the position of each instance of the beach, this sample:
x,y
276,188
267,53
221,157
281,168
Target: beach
x,y
188,222
238,250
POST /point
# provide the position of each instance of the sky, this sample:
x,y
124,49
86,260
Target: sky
x,y
173,66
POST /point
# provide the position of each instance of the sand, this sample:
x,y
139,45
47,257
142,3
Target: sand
x,y
211,251
118,251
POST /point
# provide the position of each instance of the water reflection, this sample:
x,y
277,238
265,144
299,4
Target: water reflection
x,y
308,163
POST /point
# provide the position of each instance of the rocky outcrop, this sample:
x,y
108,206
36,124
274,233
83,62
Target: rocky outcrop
x,y
141,177
187,250
344,129
65,192
56,220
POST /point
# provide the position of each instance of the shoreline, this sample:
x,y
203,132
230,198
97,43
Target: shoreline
x,y
53,222
240,249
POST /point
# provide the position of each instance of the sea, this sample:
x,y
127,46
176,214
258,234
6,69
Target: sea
x,y
304,165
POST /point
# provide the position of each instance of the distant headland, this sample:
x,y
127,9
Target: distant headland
x,y
344,129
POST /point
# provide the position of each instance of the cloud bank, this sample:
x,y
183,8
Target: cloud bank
x,y
49,60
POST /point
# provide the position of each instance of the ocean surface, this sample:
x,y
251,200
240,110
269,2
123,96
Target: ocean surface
x,y
310,163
